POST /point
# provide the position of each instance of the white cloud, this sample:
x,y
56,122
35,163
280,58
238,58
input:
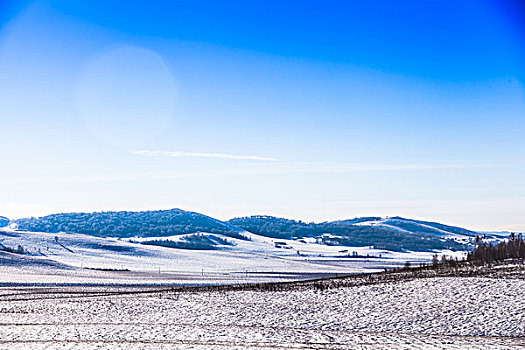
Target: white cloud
x,y
201,155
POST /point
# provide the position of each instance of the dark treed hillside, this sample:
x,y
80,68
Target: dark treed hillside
x,y
346,232
4,221
130,224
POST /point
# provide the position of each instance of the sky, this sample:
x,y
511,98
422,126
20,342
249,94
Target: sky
x,y
314,110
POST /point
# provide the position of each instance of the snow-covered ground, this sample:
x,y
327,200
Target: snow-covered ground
x,y
257,259
432,313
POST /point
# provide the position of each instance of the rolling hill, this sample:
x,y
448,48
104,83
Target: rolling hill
x,y
190,244
123,224
392,233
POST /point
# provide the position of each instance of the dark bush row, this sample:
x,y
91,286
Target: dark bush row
x,y
196,241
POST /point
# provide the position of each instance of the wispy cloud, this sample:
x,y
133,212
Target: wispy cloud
x,y
181,154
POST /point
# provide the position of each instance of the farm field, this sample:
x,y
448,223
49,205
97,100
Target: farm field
x,y
51,259
424,313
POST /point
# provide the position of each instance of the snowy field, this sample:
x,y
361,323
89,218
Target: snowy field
x,y
62,258
431,313
72,291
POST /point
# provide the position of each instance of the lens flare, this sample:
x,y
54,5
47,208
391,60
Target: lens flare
x,y
126,95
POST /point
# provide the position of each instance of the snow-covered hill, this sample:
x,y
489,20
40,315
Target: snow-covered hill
x,y
176,242
261,258
410,226
394,233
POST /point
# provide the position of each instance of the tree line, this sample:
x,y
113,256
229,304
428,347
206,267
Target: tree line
x,y
512,248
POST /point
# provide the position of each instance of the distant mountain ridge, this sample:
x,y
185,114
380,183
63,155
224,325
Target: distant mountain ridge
x,y
391,233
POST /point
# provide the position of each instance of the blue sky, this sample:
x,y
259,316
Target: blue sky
x,y
312,110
